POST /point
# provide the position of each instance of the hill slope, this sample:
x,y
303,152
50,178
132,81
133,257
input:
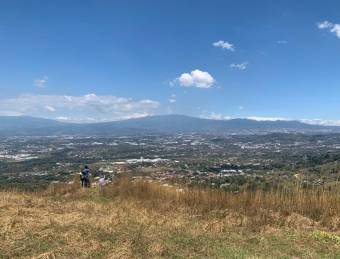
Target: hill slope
x,y
127,222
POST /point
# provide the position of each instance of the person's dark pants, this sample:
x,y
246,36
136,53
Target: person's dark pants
x,y
85,182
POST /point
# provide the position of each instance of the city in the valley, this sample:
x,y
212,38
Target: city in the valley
x,y
229,162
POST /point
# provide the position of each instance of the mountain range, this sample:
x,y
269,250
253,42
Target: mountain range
x,y
30,126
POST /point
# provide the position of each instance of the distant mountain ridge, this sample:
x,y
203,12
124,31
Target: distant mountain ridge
x,y
10,126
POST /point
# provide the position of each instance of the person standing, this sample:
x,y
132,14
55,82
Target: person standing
x,y
85,177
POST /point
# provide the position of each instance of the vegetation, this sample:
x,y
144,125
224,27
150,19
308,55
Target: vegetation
x,y
139,219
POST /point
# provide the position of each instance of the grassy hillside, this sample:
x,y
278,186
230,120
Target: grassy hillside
x,y
146,220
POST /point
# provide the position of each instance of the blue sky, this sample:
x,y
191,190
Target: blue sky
x,y
108,60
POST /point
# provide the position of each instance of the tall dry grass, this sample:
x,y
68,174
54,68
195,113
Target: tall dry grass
x,y
130,219
83,224
319,205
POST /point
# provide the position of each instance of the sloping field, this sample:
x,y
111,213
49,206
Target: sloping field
x,y
119,222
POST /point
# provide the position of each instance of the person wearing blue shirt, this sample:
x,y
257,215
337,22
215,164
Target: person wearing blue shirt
x,y
85,177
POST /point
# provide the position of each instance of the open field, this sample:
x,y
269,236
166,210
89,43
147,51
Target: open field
x,y
141,220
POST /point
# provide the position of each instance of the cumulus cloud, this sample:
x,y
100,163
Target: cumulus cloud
x,y
241,66
324,25
87,108
196,78
332,27
336,30
40,82
224,45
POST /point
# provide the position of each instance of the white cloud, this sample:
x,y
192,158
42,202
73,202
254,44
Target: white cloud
x,y
172,99
216,116
224,45
196,78
186,80
241,107
258,118
41,82
332,27
282,42
321,122
336,30
219,116
241,66
324,25
62,118
50,108
78,108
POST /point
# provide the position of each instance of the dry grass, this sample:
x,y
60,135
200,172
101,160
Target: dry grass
x,y
318,206
143,220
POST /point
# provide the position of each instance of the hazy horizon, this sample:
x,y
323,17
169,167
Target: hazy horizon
x,y
259,119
